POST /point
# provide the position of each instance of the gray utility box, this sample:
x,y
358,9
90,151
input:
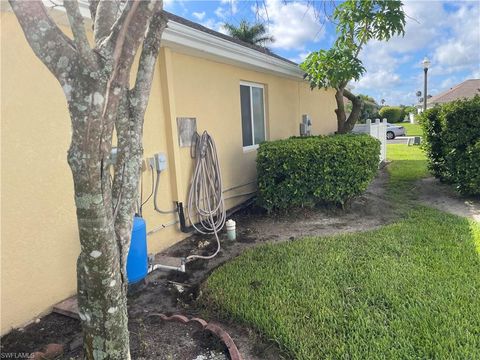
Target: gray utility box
x,y
186,127
306,126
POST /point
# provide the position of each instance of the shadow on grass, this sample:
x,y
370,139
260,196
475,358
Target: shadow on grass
x,y
407,290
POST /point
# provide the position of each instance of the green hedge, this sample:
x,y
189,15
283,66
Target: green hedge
x,y
433,144
393,114
452,134
467,171
308,171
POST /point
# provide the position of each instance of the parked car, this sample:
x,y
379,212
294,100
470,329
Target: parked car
x,y
395,130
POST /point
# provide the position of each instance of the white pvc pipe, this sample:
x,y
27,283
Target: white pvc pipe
x,y
162,226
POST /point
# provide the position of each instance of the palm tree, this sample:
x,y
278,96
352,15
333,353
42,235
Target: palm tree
x,y
254,34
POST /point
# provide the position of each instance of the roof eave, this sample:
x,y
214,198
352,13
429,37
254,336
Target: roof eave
x,y
191,41
188,40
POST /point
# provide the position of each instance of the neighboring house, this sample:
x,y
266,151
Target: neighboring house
x,y
465,90
239,93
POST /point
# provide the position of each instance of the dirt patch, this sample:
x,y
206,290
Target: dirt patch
x,y
443,197
180,341
52,328
174,292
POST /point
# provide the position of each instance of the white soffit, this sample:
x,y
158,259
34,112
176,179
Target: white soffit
x,y
185,39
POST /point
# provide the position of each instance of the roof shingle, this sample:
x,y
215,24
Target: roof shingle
x,y
467,89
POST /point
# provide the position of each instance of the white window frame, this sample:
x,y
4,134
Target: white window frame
x,y
260,86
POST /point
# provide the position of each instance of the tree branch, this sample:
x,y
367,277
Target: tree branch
x,y
125,184
92,6
357,104
351,96
363,40
123,43
146,65
48,42
106,14
107,39
79,35
114,46
129,127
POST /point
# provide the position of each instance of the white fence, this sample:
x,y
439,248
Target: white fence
x,y
378,130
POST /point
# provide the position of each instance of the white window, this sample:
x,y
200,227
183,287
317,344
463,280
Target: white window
x,y
253,114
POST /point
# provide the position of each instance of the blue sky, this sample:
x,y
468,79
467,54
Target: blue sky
x,y
447,32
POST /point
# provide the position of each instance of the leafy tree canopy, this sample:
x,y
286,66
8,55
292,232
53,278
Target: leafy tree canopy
x,y
357,22
330,68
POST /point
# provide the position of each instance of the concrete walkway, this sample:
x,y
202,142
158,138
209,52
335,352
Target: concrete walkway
x,y
402,140
442,197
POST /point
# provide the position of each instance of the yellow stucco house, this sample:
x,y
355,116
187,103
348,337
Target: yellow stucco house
x,y
201,74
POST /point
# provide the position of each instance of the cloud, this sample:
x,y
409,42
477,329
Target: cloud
x,y
168,5
300,57
199,15
221,12
232,4
292,24
449,82
178,7
227,8
457,53
381,66
475,73
424,23
462,49
378,80
448,33
214,25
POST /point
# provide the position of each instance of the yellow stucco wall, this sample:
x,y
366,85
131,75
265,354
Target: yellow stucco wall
x,y
210,92
39,241
38,236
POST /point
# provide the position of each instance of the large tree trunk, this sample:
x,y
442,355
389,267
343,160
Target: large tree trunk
x,y
340,111
344,124
96,83
101,284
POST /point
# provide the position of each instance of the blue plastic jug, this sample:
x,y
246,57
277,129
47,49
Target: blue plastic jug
x,y
137,260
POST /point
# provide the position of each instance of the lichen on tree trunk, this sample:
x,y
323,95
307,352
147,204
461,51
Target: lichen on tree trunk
x,y
96,83
101,289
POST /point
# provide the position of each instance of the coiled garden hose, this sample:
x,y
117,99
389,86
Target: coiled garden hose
x,y
205,199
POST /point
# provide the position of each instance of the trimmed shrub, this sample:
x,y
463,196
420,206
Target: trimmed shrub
x,y
409,109
308,171
433,144
467,171
452,134
393,114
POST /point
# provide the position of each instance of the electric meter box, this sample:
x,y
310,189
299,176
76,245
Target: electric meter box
x,y
306,126
160,161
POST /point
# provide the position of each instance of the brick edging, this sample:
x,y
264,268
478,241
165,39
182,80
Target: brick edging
x,y
213,328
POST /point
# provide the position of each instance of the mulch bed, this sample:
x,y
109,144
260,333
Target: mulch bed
x,y
177,293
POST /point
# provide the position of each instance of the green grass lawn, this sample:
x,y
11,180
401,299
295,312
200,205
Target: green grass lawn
x,y
412,129
408,164
409,290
